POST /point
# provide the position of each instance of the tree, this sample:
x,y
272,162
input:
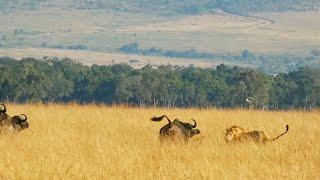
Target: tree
x,y
54,80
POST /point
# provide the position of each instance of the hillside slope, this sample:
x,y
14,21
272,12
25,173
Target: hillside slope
x,y
168,6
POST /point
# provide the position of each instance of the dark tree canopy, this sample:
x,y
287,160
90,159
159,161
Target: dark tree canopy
x,y
54,80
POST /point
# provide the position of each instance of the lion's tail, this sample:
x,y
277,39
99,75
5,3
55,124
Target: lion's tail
x,y
287,129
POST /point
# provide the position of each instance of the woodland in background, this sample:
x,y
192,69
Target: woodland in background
x,y
269,63
55,80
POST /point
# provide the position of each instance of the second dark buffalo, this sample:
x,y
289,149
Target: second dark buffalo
x,y
176,130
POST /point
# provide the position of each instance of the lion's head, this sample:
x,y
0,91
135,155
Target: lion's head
x,y
233,132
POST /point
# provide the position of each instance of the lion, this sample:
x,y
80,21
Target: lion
x,y
238,134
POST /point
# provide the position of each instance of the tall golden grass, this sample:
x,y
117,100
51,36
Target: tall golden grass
x,y
101,142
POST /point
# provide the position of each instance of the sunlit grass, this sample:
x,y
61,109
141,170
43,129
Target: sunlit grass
x,y
95,142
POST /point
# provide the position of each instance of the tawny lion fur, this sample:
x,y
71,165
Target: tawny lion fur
x,y
238,134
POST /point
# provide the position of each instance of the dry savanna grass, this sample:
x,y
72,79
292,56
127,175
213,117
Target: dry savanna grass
x,y
95,142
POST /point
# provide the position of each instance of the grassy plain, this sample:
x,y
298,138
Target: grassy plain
x,y
103,32
95,142
106,31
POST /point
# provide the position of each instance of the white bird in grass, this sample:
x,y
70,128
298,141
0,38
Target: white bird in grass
x,y
248,100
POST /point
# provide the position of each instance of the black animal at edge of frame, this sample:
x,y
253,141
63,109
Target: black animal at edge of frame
x,y
12,124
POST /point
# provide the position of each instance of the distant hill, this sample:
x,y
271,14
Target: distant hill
x,y
168,6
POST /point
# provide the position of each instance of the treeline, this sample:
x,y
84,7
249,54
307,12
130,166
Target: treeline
x,y
168,6
54,80
242,7
134,48
270,63
6,5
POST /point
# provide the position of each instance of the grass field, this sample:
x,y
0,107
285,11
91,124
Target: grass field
x,y
95,142
105,31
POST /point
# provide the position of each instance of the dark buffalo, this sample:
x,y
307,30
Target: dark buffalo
x,y
3,113
176,130
14,124
11,124
19,122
